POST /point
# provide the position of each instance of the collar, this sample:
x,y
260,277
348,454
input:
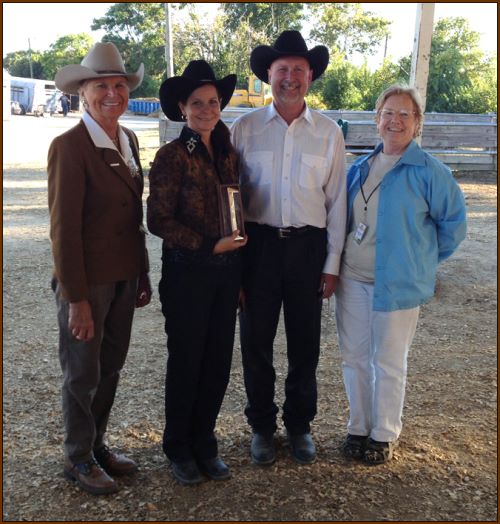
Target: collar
x,y
101,139
190,139
414,154
273,113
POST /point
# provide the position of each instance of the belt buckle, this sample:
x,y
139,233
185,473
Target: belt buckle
x,y
284,232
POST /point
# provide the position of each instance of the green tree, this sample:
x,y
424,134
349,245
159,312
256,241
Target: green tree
x,y
346,27
386,75
69,49
337,86
268,19
138,30
226,51
461,78
18,64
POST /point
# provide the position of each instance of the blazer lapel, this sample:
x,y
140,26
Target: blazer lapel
x,y
116,163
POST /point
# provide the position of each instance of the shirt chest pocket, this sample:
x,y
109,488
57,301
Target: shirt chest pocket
x,y
312,171
259,168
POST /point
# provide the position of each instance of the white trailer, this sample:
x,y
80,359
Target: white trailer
x,y
35,96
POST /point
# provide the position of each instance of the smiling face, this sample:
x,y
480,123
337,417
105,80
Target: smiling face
x,y
107,98
397,123
290,78
202,109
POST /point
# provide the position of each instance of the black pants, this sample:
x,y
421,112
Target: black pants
x,y
199,305
281,271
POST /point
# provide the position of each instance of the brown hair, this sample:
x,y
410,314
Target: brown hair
x,y
398,89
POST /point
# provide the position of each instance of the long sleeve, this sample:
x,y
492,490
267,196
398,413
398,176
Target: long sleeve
x,y
66,193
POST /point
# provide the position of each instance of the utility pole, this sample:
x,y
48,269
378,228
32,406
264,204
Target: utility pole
x,y
421,56
385,45
29,58
168,42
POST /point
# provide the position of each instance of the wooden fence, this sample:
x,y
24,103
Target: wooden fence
x,y
462,141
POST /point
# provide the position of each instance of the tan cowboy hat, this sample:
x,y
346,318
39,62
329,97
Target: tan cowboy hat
x,y
102,60
196,74
289,43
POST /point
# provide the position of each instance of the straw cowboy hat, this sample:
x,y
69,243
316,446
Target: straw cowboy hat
x,y
196,74
103,60
289,43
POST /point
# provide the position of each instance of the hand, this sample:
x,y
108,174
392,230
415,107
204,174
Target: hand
x,y
229,243
328,284
144,291
80,322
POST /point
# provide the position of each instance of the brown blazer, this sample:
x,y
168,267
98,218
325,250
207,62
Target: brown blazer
x,y
96,216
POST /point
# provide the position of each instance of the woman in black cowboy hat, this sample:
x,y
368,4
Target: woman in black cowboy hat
x,y
200,280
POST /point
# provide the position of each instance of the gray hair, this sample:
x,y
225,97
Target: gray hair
x,y
80,94
399,89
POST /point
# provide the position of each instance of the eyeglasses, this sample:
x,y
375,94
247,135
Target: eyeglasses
x,y
389,114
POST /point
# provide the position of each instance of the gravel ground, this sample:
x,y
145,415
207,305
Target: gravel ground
x,y
445,468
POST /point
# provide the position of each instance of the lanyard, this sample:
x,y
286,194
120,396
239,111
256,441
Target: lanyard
x,y
365,200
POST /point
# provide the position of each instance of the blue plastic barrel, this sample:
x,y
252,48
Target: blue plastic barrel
x,y
143,107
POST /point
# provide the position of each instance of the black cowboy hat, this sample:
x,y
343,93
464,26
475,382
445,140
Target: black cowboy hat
x,y
289,43
196,74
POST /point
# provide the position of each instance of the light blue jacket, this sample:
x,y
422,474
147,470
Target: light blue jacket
x,y
421,220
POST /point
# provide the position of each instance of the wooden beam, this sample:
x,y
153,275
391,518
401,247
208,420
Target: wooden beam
x,y
422,49
169,47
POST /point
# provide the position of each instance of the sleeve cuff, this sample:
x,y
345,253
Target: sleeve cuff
x,y
332,264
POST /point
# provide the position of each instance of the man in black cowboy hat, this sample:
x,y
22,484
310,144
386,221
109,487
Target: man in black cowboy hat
x,y
293,186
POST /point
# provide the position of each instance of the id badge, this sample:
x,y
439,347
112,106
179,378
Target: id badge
x,y
360,232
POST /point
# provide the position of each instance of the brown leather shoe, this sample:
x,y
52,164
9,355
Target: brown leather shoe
x,y
90,477
114,463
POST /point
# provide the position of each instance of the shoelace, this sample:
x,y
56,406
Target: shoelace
x,y
86,467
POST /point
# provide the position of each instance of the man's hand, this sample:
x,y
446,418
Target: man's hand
x,y
327,285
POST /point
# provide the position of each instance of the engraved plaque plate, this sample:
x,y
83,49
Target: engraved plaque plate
x,y
231,210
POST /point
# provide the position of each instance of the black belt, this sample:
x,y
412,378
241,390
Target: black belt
x,y
284,232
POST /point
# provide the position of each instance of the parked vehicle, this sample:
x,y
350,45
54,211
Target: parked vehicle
x,y
258,94
35,96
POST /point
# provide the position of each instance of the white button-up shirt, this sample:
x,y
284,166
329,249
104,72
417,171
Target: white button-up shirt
x,y
294,175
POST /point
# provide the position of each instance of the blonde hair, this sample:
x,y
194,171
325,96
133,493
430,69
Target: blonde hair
x,y
399,89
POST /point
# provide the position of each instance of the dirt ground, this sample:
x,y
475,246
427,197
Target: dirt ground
x,y
445,468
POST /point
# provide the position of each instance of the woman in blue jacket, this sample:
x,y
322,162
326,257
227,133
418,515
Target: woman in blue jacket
x,y
406,214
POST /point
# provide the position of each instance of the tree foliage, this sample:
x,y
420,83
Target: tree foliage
x,y
69,49
348,28
138,30
461,78
18,64
267,19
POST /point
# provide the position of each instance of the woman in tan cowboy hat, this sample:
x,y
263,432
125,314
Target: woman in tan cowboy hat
x,y
95,185
201,267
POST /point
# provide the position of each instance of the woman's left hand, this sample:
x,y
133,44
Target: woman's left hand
x,y
144,291
230,243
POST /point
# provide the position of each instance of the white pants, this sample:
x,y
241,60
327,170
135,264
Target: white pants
x,y
374,347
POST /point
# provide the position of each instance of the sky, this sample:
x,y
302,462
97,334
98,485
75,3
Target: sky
x,y
43,23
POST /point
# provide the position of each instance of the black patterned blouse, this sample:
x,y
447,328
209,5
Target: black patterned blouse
x,y
183,185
